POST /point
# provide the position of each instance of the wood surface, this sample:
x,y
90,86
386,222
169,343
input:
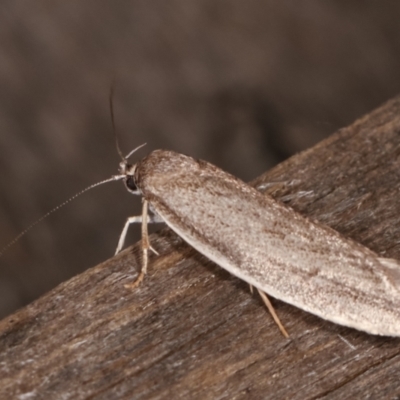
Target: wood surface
x,y
193,331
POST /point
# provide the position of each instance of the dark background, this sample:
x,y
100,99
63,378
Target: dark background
x,y
243,84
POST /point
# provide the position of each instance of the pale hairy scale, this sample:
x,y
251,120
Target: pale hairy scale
x,y
268,244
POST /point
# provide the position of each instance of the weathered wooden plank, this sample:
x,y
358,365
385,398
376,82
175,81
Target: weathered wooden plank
x,y
193,331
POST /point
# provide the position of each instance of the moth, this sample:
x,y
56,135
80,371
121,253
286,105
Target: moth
x,y
265,243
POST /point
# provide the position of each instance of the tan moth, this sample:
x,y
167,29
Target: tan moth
x,y
261,241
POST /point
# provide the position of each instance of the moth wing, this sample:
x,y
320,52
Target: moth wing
x,y
275,249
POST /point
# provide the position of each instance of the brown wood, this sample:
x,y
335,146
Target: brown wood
x,y
192,331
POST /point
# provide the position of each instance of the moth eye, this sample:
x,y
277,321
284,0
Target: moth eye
x,y
130,184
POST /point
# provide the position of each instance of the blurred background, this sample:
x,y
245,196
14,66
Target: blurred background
x,y
243,84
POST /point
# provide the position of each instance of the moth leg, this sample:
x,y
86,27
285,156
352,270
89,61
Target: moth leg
x,y
153,218
145,247
133,220
129,221
273,313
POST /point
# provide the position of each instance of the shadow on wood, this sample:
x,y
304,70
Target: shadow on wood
x,y
193,331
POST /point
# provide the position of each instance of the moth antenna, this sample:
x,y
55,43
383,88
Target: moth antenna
x,y
25,231
113,120
114,128
134,150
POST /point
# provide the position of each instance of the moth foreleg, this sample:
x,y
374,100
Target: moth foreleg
x,y
129,221
134,220
145,244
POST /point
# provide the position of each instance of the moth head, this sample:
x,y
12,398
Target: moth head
x,y
128,170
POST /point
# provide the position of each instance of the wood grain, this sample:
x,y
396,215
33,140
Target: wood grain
x,y
192,331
